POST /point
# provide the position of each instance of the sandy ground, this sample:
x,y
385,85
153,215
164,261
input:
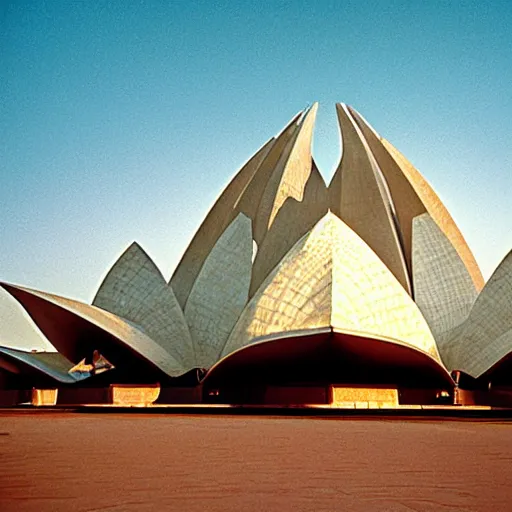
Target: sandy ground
x,y
79,462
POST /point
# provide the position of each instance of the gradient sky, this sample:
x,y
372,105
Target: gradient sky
x,y
123,121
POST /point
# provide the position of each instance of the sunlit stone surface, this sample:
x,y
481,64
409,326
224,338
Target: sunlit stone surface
x,y
220,291
360,198
486,336
135,290
438,212
443,288
332,278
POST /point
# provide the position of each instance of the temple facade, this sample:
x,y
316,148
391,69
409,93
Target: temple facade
x,y
359,293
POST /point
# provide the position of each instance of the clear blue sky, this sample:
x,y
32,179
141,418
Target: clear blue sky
x,y
122,121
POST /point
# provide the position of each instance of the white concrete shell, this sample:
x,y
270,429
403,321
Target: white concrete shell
x,y
443,288
220,291
53,365
135,290
273,191
360,197
486,336
292,222
411,196
406,202
249,202
289,177
46,307
218,218
434,206
331,278
294,199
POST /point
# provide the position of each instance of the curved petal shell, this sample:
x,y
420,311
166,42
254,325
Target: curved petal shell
x,y
331,278
486,336
292,222
48,364
289,177
51,312
443,288
359,196
438,212
220,291
216,221
135,290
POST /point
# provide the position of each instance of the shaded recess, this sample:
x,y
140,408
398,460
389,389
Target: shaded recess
x,y
319,357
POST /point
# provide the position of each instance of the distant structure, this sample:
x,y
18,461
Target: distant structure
x,y
362,293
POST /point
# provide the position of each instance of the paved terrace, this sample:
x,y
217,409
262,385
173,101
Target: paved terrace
x,y
149,460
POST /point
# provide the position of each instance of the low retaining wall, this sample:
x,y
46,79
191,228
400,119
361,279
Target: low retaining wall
x,y
138,396
44,396
364,398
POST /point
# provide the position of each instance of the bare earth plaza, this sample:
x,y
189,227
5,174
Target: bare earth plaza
x,y
349,319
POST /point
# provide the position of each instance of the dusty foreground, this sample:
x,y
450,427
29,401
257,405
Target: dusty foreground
x,y
79,462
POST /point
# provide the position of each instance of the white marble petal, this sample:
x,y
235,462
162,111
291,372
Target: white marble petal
x,y
331,278
135,290
486,336
132,337
220,291
359,195
50,364
443,288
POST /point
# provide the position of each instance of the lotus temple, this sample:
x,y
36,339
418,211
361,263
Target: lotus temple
x,y
292,293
